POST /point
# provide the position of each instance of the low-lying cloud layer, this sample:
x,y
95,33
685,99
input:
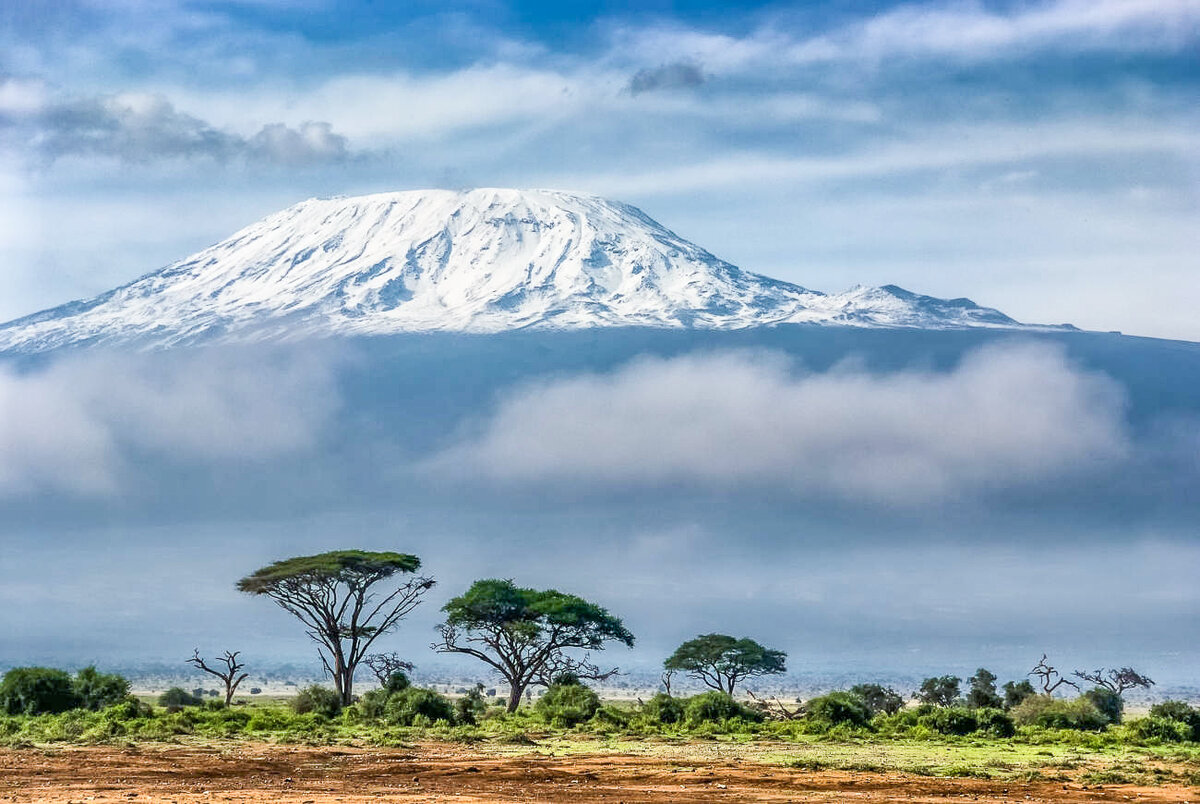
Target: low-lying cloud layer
x,y
1007,417
79,425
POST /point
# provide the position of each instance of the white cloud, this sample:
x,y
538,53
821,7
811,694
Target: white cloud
x,y
965,30
81,424
1006,417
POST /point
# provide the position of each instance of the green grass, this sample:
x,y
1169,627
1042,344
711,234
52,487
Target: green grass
x,y
1110,757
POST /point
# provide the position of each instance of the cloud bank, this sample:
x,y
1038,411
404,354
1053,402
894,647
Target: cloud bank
x,y
139,128
80,425
1007,417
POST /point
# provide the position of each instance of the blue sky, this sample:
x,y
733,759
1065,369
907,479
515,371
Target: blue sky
x,y
1039,157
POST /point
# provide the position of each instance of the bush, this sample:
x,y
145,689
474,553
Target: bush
x,y
37,691
837,708
1107,702
97,690
317,700
879,699
470,708
413,706
664,709
995,722
950,720
177,697
566,705
1180,712
1055,713
397,681
128,709
716,707
1164,729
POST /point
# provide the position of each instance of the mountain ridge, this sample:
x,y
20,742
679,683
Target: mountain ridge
x,y
485,260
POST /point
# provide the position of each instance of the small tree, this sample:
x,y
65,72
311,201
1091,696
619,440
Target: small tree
x,y
227,671
721,661
879,698
386,665
1117,681
1017,691
334,595
939,691
982,692
524,634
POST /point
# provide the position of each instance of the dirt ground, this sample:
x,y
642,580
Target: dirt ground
x,y
441,772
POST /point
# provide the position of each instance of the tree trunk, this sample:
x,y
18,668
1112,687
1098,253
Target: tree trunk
x,y
228,694
514,697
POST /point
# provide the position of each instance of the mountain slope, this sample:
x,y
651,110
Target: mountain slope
x,y
479,261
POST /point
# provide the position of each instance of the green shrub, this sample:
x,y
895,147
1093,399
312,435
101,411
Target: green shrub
x,y
37,691
567,705
664,709
128,709
1107,702
397,681
1164,729
413,706
318,700
995,722
1079,714
717,707
471,707
177,697
1179,712
837,708
878,698
950,720
609,718
97,690
370,705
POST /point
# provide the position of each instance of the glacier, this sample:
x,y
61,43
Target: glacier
x,y
478,261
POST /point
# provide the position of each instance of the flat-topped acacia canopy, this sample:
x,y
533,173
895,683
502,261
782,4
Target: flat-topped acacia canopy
x,y
337,565
335,596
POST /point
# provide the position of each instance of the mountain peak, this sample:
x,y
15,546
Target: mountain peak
x,y
483,260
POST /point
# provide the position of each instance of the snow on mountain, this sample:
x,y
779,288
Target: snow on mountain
x,y
480,261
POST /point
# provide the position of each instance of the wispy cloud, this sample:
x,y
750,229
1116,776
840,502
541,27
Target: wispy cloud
x,y
963,30
1006,417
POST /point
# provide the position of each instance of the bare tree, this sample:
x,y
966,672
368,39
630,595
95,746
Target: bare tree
x,y
386,665
667,677
1118,681
1050,678
560,664
228,674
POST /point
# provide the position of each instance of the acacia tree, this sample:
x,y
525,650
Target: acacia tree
x,y
524,634
336,596
939,691
228,674
721,661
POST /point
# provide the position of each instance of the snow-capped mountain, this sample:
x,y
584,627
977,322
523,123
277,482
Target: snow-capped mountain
x,y
479,261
